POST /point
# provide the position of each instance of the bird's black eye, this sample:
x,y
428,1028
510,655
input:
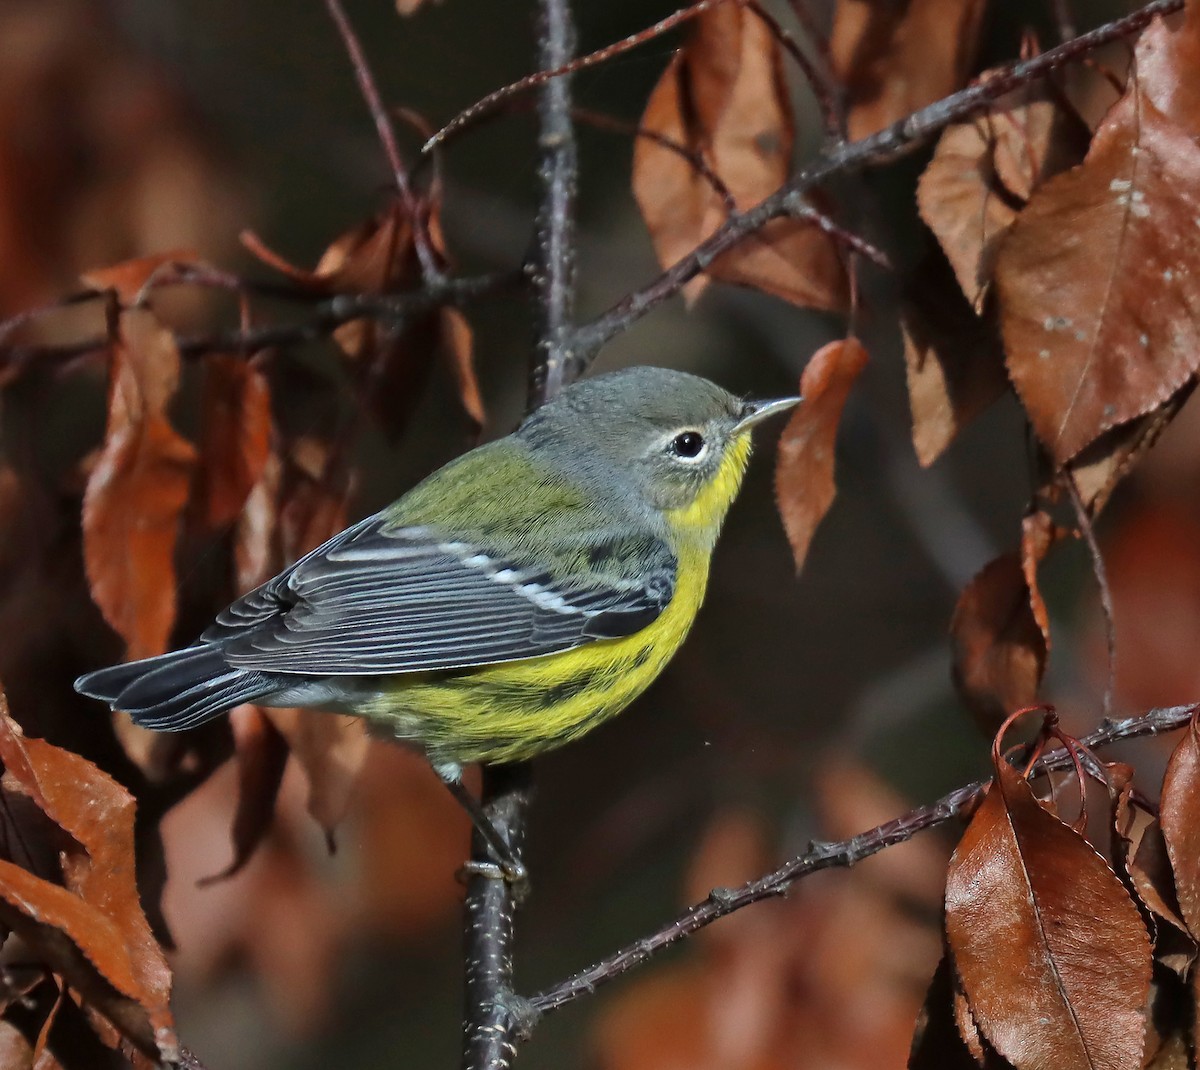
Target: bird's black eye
x,y
687,444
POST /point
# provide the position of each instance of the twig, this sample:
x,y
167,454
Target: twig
x,y
852,241
1101,573
889,143
818,37
554,228
495,1019
550,73
387,138
722,902
327,314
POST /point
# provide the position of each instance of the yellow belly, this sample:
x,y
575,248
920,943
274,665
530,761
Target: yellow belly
x,y
512,711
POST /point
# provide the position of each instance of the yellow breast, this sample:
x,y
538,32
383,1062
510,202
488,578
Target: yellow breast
x,y
512,711
515,710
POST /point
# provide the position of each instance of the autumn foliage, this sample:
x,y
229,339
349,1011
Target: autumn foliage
x,y
222,421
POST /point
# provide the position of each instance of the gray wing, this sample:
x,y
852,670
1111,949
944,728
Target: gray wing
x,y
375,600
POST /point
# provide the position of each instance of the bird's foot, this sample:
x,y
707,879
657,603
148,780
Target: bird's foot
x,y
511,871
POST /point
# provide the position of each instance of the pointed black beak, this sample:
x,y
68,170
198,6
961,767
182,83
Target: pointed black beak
x,y
754,412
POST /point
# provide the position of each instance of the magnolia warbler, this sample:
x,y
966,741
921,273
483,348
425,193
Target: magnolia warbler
x,y
515,599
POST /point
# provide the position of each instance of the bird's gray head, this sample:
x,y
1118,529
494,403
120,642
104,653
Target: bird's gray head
x,y
668,434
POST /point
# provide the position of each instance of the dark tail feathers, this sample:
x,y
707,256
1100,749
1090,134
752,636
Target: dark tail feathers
x,y
175,691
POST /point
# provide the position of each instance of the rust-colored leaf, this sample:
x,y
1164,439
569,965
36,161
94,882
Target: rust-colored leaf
x,y
804,482
1098,468
128,278
371,257
137,490
331,749
76,940
261,754
1150,874
938,1043
1051,951
1100,316
1179,815
457,346
1153,879
235,437
983,170
896,58
1167,59
953,359
724,100
1000,631
98,911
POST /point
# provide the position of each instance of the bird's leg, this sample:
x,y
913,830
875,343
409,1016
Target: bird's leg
x,y
507,866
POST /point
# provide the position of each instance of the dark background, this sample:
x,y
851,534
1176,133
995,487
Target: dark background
x,y
130,127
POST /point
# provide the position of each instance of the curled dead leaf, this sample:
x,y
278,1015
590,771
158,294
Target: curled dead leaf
x,y
235,438
1050,948
896,58
91,929
1088,349
804,482
137,489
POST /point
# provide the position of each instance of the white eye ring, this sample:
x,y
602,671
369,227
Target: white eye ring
x,y
688,446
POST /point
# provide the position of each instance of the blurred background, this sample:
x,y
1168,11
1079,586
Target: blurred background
x,y
801,707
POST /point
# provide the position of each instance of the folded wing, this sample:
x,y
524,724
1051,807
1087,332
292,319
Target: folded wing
x,y
379,600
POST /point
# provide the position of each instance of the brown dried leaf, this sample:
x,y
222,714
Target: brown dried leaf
x,y
235,438
1101,466
99,910
1153,878
128,278
983,171
953,359
137,490
1088,348
896,58
1167,58
331,749
261,754
1038,534
790,259
724,99
371,257
1000,648
1179,815
938,1043
1051,951
804,482
457,346
75,939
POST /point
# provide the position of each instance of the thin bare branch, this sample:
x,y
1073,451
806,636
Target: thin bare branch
x,y
387,138
724,901
554,228
495,1019
488,104
327,313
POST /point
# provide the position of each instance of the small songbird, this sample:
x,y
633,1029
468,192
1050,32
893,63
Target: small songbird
x,y
515,599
